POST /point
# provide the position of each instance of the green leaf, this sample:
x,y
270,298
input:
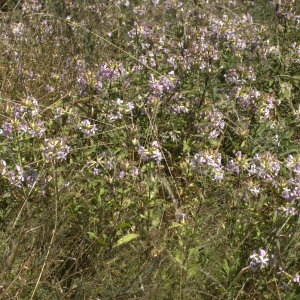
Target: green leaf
x,y
179,260
93,236
192,271
226,269
90,150
126,239
123,225
186,146
175,225
289,151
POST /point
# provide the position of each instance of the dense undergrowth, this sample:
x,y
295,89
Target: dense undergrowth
x,y
150,150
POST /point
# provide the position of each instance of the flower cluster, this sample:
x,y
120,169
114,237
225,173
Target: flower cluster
x,y
238,164
19,177
108,72
153,152
102,162
17,29
86,128
164,84
259,260
268,103
119,109
265,166
55,149
293,165
212,123
291,192
34,128
238,34
208,163
253,188
246,98
140,31
31,6
240,75
24,119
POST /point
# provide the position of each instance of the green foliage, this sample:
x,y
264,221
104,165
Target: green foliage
x,y
149,150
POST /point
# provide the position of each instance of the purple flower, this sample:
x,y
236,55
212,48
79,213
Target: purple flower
x,y
30,177
105,72
291,192
289,210
7,129
162,84
155,86
293,164
213,124
238,164
208,163
156,155
99,85
36,128
17,29
259,260
134,172
265,166
96,171
121,174
22,127
116,116
110,72
155,144
129,106
31,6
152,152
233,167
240,75
296,278
31,106
16,177
3,169
86,127
143,153
19,111
253,188
58,113
177,109
55,149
